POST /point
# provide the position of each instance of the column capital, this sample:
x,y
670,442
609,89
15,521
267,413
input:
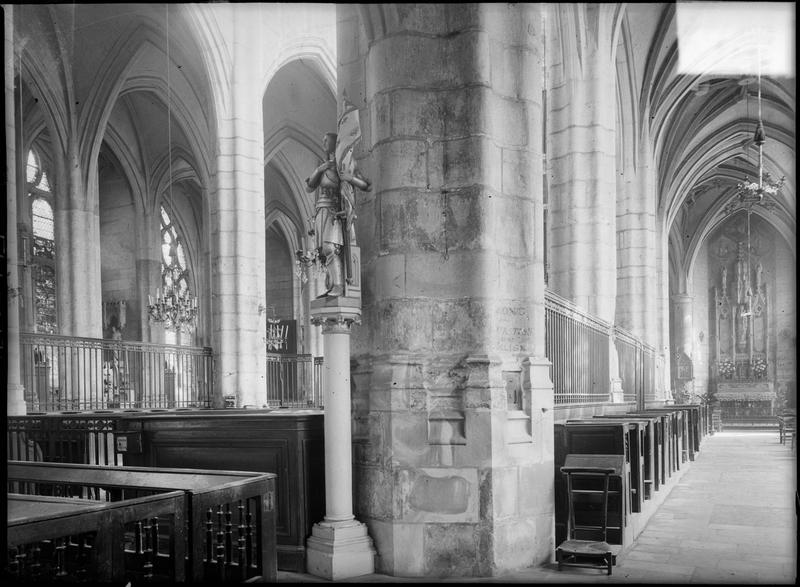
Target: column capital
x,y
337,314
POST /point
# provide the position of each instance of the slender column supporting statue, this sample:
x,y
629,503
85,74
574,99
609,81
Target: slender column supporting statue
x,y
339,546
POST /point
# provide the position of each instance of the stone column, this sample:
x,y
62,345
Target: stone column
x,y
682,309
581,155
237,222
339,547
454,471
15,391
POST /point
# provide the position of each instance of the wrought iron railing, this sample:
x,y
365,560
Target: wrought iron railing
x,y
577,345
637,363
67,373
294,381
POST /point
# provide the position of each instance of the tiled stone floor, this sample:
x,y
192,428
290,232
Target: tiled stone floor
x,y
731,518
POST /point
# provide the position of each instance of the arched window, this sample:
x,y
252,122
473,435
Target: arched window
x,y
174,267
174,273
44,246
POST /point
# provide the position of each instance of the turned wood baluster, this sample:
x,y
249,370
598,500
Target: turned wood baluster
x,y
241,544
209,536
138,542
148,552
228,535
154,549
61,562
220,545
250,534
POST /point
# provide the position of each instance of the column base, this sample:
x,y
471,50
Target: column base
x,y
340,550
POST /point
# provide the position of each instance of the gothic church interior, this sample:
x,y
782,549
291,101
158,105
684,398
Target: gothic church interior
x,y
560,211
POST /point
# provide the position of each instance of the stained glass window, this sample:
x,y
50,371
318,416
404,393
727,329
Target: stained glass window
x,y
44,247
174,274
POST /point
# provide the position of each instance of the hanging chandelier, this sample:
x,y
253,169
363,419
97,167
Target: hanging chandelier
x,y
276,332
754,193
751,193
174,307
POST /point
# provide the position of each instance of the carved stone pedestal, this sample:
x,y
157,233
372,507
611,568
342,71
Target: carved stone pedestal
x,y
340,550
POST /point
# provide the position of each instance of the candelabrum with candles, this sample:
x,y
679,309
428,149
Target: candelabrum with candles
x,y
174,309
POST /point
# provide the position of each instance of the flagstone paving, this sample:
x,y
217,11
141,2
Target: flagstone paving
x,y
731,518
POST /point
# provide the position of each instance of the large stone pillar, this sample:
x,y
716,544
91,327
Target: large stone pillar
x,y
339,547
78,267
452,402
237,223
15,404
581,156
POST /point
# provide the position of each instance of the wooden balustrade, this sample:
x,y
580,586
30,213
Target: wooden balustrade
x,y
66,539
230,514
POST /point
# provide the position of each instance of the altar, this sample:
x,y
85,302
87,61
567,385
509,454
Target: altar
x,y
743,378
743,401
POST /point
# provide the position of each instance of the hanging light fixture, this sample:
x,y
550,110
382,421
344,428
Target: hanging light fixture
x,y
276,332
750,193
175,307
754,193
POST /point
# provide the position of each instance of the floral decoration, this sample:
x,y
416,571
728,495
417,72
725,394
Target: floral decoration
x,y
759,367
726,368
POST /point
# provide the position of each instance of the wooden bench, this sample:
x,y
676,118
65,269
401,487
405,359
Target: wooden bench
x,y
231,514
646,426
694,425
56,538
621,437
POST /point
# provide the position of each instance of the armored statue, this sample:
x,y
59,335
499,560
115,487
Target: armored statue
x,y
332,226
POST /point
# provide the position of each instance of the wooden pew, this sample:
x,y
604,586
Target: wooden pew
x,y
595,436
57,538
225,509
649,455
677,434
662,446
694,423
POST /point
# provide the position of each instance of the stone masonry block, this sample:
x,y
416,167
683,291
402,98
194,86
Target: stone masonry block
x,y
518,174
451,550
536,488
390,276
373,491
505,67
471,161
400,547
412,220
402,164
380,114
418,113
512,543
407,60
505,492
437,19
409,434
458,274
403,325
458,325
439,494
